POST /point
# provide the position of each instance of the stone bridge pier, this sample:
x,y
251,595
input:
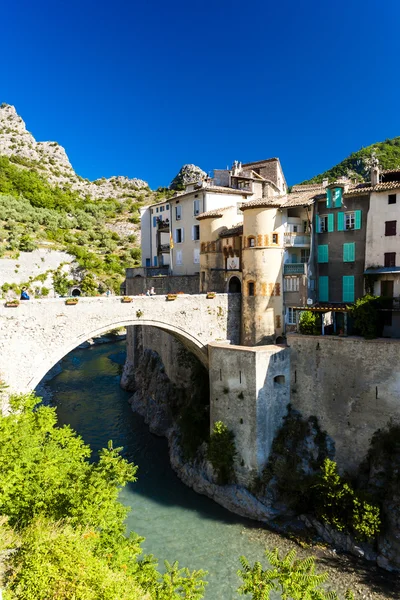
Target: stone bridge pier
x,y
38,333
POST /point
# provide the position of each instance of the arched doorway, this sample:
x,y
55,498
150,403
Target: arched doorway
x,y
235,286
75,292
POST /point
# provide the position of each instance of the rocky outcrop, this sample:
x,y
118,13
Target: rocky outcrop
x,y
51,160
187,174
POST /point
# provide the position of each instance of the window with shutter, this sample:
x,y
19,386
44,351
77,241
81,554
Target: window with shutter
x,y
323,253
390,259
390,227
349,252
348,288
179,257
357,219
337,199
196,256
328,198
323,288
331,226
340,221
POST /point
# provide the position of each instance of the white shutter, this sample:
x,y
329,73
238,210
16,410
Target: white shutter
x,y
179,257
183,234
196,256
192,232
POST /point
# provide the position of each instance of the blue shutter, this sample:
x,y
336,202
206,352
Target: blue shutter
x,y
155,261
357,219
340,221
348,288
328,198
323,254
317,229
349,252
154,221
338,197
323,288
331,223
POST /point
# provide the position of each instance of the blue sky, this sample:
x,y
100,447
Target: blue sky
x,y
140,88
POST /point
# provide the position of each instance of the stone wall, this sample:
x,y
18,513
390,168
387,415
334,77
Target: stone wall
x,y
352,385
249,392
189,284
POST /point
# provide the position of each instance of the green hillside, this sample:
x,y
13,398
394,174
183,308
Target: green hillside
x,y
33,213
357,164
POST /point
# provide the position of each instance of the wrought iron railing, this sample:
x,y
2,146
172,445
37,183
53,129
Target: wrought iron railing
x,y
294,269
296,239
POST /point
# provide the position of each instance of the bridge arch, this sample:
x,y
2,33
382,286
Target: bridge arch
x,y
39,333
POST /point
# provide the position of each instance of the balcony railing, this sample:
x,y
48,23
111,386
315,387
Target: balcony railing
x,y
294,269
163,225
163,248
296,239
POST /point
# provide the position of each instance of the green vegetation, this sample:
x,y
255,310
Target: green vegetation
x,y
221,452
310,323
33,212
367,315
293,579
356,165
62,518
342,507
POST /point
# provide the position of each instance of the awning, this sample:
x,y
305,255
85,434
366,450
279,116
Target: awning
x,y
382,271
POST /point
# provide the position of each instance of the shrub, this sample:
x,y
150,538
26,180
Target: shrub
x,y
310,323
221,452
368,320
341,506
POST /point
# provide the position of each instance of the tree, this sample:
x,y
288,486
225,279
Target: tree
x,y
294,579
221,451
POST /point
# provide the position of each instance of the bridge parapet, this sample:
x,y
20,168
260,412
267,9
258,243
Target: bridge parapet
x,y
38,333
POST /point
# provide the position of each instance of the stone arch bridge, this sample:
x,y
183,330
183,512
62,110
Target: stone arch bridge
x,y
38,333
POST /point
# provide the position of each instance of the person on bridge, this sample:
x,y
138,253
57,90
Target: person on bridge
x,y
24,294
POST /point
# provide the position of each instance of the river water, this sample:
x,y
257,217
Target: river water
x,y
179,524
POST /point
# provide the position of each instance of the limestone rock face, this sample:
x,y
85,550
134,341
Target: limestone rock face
x,y
51,160
187,174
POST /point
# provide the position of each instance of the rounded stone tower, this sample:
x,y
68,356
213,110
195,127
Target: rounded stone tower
x,y
262,259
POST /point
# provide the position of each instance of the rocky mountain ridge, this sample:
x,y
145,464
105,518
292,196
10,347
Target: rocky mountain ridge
x,y
51,160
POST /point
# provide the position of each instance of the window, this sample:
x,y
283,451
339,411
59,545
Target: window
x,y
155,219
348,288
306,229
323,253
328,198
196,256
323,224
294,228
157,210
251,288
337,197
155,261
390,227
291,316
178,257
179,235
196,207
148,262
304,255
161,209
291,284
251,242
390,259
167,207
349,220
392,199
323,288
196,232
349,252
274,238
178,213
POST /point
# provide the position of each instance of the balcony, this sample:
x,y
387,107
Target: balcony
x,y
299,240
163,225
163,248
295,269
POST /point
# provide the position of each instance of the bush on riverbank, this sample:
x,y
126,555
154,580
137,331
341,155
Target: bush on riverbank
x,y
221,452
64,522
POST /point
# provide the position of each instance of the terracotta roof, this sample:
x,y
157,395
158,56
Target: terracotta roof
x,y
364,188
304,199
235,230
263,203
307,187
390,171
214,214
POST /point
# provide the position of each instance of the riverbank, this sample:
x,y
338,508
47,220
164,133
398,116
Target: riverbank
x,y
178,523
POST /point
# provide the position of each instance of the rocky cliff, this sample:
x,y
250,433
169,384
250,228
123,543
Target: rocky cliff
x,y
51,160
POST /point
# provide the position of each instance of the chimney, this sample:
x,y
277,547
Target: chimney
x,y
374,169
325,182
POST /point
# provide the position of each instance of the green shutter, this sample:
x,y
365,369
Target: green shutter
x,y
331,225
323,288
323,254
328,198
349,252
338,197
317,230
348,288
357,219
340,221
